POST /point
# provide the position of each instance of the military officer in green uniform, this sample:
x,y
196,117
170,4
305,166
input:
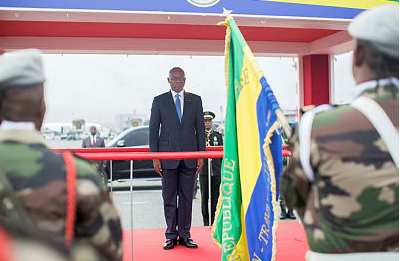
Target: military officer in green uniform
x,y
38,175
213,138
343,174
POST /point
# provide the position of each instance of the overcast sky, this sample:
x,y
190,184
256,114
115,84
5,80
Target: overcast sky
x,y
98,87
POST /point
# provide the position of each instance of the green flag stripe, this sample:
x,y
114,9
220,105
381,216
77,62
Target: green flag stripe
x,y
227,228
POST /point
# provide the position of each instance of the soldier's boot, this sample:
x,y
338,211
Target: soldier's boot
x,y
283,213
291,215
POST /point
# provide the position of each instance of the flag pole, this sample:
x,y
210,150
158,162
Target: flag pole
x,y
284,123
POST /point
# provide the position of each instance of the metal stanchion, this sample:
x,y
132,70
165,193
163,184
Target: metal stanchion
x,y
131,205
110,173
210,192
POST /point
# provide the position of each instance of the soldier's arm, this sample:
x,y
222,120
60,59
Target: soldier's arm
x,y
295,187
98,222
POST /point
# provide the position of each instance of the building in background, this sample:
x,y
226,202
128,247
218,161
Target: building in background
x,y
75,130
125,121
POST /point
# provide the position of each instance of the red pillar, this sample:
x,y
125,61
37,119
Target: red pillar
x,y
316,79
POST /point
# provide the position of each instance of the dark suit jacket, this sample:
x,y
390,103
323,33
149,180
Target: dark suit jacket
x,y
99,142
189,135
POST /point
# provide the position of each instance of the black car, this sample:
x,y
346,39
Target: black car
x,y
135,137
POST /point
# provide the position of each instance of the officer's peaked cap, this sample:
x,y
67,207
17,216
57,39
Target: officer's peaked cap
x,y
208,115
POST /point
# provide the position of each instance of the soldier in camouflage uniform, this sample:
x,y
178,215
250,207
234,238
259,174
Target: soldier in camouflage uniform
x,y
350,202
37,174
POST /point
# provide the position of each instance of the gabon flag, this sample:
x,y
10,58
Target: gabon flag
x,y
246,219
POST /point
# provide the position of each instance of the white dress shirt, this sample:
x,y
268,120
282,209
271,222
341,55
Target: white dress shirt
x,y
181,93
93,139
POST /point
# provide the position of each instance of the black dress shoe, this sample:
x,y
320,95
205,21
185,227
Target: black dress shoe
x,y
291,215
283,214
170,243
188,243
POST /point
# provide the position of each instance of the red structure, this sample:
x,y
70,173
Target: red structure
x,y
316,79
313,40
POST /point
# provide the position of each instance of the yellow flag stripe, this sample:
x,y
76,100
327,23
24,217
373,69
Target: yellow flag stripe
x,y
247,128
358,4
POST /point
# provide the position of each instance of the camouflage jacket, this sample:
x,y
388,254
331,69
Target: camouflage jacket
x,y
18,248
38,177
352,204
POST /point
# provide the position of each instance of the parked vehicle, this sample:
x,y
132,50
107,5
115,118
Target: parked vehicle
x,y
48,135
135,137
71,135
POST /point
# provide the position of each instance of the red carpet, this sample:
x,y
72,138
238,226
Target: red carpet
x,y
148,245
292,243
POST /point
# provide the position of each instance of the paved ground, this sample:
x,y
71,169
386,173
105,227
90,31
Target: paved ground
x,y
62,144
147,209
147,205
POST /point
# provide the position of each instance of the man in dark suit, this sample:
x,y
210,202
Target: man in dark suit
x,y
95,141
176,124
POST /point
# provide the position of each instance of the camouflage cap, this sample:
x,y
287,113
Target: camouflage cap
x,y
379,27
21,68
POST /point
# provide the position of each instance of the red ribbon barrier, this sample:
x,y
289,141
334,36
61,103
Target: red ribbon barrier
x,y
151,155
145,149
145,154
155,155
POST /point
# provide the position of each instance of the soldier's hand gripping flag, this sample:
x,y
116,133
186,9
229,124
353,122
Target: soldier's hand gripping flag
x,y
246,218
